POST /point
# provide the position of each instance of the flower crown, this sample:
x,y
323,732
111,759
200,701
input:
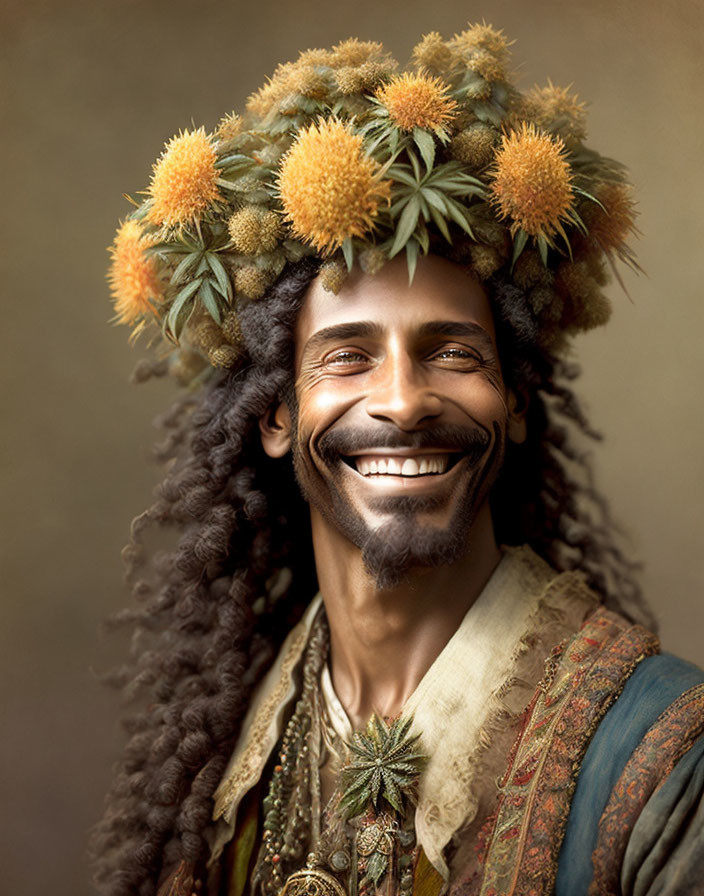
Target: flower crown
x,y
341,156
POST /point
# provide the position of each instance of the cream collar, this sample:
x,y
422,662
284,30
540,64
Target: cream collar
x,y
481,680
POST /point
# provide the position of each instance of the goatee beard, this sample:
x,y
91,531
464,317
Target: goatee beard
x,y
391,551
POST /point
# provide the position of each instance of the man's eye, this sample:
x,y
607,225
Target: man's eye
x,y
460,355
342,358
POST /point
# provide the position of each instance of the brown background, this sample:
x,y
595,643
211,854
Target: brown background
x,y
90,90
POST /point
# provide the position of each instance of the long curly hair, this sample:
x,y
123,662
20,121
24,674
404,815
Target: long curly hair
x,y
212,611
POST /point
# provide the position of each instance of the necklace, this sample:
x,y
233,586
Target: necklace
x,y
363,839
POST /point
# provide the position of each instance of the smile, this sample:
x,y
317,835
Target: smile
x,y
376,465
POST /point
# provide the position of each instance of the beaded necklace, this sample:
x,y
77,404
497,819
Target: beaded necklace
x,y
363,840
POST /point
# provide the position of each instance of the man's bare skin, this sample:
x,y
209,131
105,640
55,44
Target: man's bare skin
x,y
383,358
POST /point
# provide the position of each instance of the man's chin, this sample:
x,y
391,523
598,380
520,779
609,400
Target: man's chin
x,y
392,551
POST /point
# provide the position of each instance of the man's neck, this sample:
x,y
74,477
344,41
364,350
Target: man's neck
x,y
383,641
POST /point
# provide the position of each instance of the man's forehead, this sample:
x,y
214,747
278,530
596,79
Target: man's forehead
x,y
442,296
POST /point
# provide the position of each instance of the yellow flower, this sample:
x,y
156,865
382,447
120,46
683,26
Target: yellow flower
x,y
485,260
229,127
333,275
418,101
184,180
433,53
251,281
489,66
133,276
262,101
474,146
254,230
283,90
329,188
532,182
551,105
356,52
482,37
611,225
315,56
360,78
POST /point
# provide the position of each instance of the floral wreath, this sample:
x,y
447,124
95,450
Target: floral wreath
x,y
341,156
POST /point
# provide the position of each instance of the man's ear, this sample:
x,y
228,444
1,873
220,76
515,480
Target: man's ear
x,y
275,430
517,428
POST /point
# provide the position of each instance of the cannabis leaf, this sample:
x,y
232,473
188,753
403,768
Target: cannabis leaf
x,y
385,765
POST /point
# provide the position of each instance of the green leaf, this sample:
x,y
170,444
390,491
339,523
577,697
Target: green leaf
x,y
543,249
401,175
519,245
223,284
423,237
391,793
348,252
181,309
203,265
233,159
210,302
377,865
458,213
441,224
411,259
415,164
488,113
406,225
434,198
184,267
425,143
188,290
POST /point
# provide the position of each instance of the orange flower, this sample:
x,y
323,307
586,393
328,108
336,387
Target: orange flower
x,y
532,182
418,101
133,277
183,180
329,188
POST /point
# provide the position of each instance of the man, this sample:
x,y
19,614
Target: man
x,y
386,268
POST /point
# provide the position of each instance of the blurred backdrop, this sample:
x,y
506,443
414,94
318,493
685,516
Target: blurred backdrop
x,y
90,91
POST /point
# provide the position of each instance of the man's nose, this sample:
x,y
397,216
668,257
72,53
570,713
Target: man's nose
x,y
402,395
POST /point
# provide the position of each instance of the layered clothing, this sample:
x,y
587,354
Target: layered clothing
x,y
565,752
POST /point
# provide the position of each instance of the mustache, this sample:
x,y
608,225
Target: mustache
x,y
473,441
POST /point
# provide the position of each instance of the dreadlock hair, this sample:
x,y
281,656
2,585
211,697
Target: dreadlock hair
x,y
212,612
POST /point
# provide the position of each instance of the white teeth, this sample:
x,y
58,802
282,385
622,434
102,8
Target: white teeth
x,y
410,467
399,466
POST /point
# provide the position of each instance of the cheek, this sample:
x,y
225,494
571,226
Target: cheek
x,y
483,399
321,402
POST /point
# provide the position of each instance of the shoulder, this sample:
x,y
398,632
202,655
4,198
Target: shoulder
x,y
646,751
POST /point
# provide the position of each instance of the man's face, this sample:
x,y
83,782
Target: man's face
x,y
402,413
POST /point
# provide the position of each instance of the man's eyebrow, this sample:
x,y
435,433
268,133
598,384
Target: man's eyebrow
x,y
358,329
456,328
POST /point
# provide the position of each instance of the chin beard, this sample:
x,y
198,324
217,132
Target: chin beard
x,y
391,551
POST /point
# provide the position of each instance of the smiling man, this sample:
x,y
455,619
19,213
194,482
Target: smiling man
x,y
401,421
397,648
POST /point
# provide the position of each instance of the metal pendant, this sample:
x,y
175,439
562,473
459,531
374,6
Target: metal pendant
x,y
312,882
